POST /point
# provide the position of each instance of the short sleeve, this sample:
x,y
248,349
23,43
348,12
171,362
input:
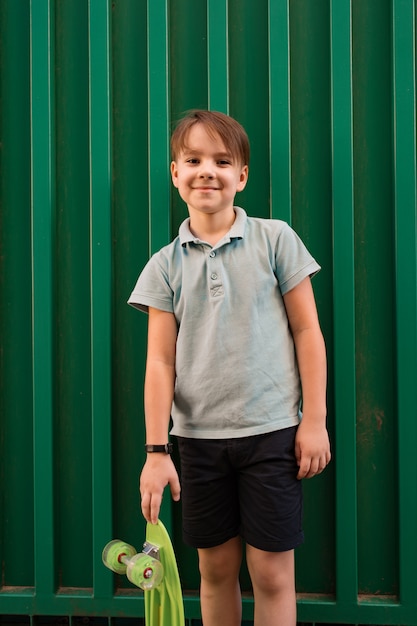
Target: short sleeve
x,y
293,261
152,288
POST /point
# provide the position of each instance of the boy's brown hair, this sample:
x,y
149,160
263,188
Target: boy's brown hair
x,y
227,128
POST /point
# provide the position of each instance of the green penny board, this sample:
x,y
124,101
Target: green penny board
x,y
164,605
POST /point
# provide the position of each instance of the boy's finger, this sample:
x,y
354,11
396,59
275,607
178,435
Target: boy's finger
x,y
314,468
145,506
150,505
154,508
304,468
175,490
297,451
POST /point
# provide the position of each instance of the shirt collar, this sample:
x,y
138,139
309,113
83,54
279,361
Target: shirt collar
x,y
237,230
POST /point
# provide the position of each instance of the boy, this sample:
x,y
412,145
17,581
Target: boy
x,y
233,335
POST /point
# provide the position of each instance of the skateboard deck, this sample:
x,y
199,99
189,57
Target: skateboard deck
x,y
155,571
163,604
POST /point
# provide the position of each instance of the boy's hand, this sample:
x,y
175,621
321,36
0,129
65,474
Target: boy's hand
x,y
158,471
312,449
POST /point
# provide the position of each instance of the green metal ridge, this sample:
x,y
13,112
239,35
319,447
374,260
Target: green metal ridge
x,y
101,285
344,303
158,147
43,219
16,418
158,125
404,76
218,55
279,109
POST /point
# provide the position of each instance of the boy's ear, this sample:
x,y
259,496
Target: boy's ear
x,y
174,173
243,179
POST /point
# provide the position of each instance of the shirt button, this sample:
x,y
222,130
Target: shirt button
x,y
213,276
212,254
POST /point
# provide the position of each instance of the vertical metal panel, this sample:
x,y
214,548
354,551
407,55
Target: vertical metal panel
x,y
72,383
279,109
218,55
43,223
374,257
311,186
100,281
158,144
344,303
249,93
89,94
130,233
158,94
404,70
16,425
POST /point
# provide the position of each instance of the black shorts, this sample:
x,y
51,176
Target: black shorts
x,y
246,486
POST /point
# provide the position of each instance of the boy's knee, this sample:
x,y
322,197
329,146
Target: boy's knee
x,y
220,563
273,573
272,582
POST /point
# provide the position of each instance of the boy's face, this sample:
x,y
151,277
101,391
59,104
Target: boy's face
x,y
206,174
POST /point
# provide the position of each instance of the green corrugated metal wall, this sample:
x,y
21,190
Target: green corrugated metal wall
x,y
89,91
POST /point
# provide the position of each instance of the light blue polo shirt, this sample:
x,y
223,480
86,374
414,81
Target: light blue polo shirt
x,y
236,371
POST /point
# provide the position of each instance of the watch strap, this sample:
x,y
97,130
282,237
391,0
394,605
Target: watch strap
x,y
166,448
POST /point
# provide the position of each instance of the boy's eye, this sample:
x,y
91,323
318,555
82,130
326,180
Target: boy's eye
x,y
220,162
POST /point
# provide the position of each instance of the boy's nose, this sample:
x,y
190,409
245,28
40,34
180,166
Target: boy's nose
x,y
206,170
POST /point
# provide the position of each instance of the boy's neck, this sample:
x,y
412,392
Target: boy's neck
x,y
211,227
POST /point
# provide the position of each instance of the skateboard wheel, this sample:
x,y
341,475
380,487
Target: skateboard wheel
x,y
144,571
113,553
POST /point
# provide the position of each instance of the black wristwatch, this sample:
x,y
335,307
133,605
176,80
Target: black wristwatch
x,y
166,448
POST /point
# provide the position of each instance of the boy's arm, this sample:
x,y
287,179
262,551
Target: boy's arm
x,y
159,470
312,446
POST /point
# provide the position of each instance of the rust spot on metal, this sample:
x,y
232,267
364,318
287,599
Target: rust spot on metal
x,y
379,418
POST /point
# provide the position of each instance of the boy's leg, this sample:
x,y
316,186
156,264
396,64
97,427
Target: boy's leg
x,y
273,581
220,591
